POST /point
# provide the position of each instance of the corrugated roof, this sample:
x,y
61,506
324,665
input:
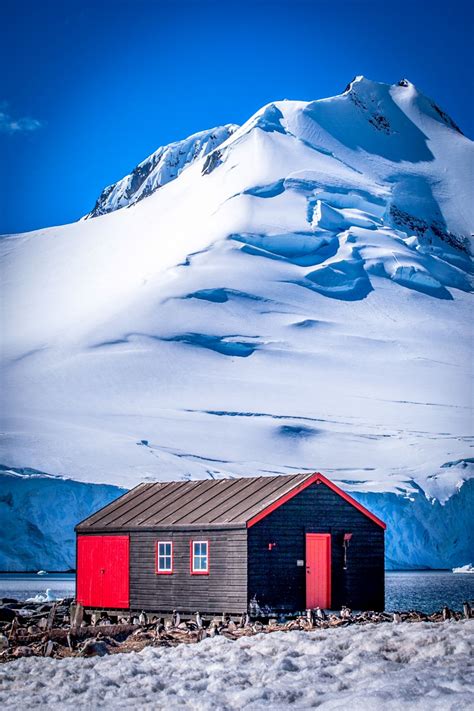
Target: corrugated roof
x,y
219,502
211,503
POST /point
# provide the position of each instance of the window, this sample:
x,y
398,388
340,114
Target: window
x,y
164,557
200,557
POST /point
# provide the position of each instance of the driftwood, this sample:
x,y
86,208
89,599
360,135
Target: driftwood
x,y
36,635
63,634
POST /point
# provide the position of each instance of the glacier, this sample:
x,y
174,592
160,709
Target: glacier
x,y
294,294
38,514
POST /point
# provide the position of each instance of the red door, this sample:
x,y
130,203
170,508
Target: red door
x,y
103,571
318,570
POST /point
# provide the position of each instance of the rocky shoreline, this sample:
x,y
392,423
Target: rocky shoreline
x,y
63,629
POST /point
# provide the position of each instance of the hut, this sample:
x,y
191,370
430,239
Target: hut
x,y
261,544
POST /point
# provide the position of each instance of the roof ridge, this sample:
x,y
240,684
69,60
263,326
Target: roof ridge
x,y
224,478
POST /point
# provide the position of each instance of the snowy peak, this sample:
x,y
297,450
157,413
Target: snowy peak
x,y
364,91
163,166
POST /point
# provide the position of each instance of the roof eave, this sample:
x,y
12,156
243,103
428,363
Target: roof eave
x,y
242,525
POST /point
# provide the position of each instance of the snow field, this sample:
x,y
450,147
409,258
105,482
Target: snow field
x,y
408,666
295,296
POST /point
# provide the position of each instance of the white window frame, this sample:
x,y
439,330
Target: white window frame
x,y
159,569
195,557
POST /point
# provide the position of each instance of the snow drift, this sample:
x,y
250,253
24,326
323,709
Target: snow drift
x,y
290,295
417,666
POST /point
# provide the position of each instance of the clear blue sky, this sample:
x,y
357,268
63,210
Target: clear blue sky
x,y
89,88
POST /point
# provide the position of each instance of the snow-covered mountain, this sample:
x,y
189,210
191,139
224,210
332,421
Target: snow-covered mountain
x,y
296,297
165,164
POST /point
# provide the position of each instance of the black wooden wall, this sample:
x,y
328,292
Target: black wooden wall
x,y
223,590
274,576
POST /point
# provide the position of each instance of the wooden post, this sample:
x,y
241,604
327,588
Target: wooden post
x,y
52,613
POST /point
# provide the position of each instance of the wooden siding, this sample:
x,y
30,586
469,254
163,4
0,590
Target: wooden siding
x,y
223,590
274,576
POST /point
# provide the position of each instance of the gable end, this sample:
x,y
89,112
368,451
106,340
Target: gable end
x,y
320,479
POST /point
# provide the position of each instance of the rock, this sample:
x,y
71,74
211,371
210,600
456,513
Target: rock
x,y
93,648
7,614
8,601
23,652
212,161
45,608
3,642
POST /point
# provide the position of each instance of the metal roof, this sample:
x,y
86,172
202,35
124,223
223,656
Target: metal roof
x,y
193,504
210,503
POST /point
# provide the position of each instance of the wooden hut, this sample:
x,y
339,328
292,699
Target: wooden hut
x,y
268,544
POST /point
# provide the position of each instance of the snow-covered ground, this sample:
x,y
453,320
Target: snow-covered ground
x,y
407,666
297,299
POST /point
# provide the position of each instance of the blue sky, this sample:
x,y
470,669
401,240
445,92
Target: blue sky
x,y
92,88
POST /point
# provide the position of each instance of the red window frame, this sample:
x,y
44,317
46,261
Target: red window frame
x,y
157,557
191,557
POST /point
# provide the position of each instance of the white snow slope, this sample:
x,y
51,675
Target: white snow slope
x,y
298,299
410,666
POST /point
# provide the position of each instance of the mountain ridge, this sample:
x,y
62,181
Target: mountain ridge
x,y
162,166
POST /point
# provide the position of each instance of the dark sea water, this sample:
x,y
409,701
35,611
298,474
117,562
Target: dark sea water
x,y
427,590
21,586
423,590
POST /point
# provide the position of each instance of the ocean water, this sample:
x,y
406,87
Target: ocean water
x,y
427,590
423,590
21,586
